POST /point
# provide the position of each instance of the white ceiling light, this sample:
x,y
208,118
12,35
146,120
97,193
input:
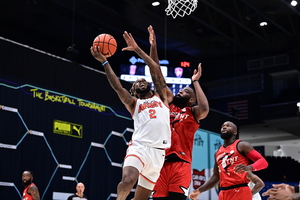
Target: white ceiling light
x,y
155,3
294,3
263,23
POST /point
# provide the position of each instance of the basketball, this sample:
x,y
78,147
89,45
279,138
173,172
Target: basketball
x,y
106,43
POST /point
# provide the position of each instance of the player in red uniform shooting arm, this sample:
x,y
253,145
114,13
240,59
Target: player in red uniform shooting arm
x,y
231,164
185,115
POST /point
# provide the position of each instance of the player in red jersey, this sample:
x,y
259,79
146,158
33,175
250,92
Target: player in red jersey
x,y
175,176
30,192
231,164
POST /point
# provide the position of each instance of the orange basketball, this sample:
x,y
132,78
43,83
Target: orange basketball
x,y
107,44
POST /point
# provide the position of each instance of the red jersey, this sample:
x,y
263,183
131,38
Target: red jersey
x,y
183,127
27,196
227,158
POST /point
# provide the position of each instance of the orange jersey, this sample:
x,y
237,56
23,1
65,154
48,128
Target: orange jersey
x,y
227,158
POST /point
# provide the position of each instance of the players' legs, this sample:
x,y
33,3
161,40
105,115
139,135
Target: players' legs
x,y
150,173
141,193
174,181
132,166
129,177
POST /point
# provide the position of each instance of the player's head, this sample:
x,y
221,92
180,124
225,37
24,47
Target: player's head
x,y
80,188
228,130
185,97
27,178
140,87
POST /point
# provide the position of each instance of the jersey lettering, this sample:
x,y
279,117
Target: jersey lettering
x,y
149,105
227,160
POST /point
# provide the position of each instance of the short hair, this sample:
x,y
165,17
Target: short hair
x,y
29,172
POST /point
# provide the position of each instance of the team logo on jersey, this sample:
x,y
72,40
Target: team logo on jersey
x,y
227,160
152,104
198,178
180,117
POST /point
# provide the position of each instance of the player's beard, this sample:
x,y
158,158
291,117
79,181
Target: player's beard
x,y
140,91
25,184
226,135
180,101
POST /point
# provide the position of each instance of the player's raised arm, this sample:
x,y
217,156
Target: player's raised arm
x,y
154,56
113,80
201,110
156,75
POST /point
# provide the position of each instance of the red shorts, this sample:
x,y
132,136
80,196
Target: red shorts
x,y
174,177
241,193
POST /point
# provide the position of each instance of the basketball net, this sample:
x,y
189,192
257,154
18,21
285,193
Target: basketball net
x,y
181,7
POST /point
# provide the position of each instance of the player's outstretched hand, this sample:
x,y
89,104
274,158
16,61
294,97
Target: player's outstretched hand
x,y
284,186
131,44
95,51
197,73
152,37
280,191
277,194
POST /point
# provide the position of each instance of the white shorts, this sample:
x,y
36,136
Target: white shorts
x,y
147,160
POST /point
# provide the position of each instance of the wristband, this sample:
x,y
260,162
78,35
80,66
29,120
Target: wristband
x,y
104,63
194,80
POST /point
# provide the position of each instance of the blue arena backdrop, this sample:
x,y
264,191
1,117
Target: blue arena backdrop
x,y
205,144
177,77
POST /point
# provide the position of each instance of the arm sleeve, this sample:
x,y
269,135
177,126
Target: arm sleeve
x,y
259,161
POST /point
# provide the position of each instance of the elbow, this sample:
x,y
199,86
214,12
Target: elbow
x,y
204,112
205,108
265,164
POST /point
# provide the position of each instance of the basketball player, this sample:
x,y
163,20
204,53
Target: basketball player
x,y
79,193
152,135
231,164
175,177
30,192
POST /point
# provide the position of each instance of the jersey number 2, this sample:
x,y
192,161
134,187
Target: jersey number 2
x,y
152,114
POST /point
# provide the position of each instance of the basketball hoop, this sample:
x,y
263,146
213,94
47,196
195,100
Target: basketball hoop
x,y
181,7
